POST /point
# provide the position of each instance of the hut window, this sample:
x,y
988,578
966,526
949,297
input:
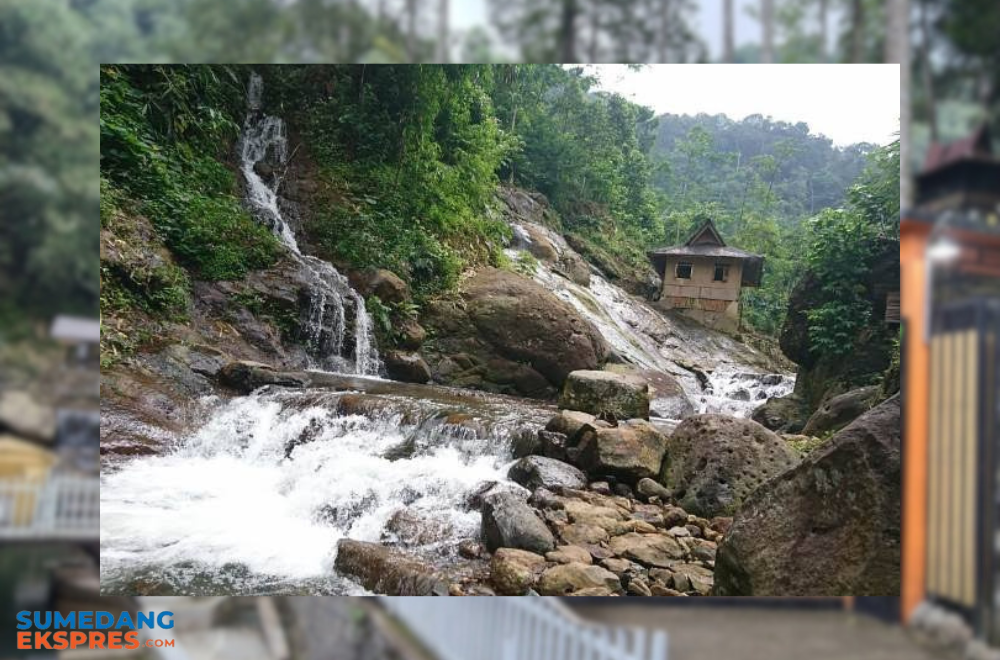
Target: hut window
x,y
683,271
721,273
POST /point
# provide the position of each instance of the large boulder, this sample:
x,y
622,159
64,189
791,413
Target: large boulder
x,y
565,579
602,392
245,376
781,414
406,367
629,452
509,334
535,472
715,462
385,284
387,571
508,522
839,411
829,527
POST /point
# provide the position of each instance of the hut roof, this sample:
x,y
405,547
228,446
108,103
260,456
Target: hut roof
x,y
706,241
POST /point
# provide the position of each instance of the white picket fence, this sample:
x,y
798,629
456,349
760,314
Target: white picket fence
x,y
519,629
57,507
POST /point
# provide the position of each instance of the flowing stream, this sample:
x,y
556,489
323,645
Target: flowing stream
x,y
330,296
256,500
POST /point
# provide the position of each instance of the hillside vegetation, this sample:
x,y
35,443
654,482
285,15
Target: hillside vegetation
x,y
405,162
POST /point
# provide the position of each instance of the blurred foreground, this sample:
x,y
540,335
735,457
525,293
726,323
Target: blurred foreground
x,y
306,628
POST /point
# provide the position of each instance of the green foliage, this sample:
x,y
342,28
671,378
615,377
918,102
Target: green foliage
x,y
841,251
525,263
161,127
410,156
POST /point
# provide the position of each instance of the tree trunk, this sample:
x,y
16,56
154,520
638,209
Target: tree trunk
x,y
411,30
767,26
897,50
824,30
926,70
728,34
442,37
593,48
663,33
857,31
567,32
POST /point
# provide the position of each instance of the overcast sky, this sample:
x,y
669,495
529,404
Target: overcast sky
x,y
847,103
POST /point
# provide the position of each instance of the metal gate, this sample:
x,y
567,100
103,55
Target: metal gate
x,y
963,485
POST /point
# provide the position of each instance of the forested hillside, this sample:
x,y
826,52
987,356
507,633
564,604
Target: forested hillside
x,y
405,163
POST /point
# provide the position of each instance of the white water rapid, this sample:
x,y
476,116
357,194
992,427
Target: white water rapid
x,y
256,500
264,140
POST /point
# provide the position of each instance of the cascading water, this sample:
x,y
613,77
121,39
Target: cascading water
x,y
731,381
264,139
256,500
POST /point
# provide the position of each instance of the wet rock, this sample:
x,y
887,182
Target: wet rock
x,y
410,528
385,284
839,411
513,571
22,414
245,376
526,442
830,526
508,522
648,549
674,516
600,487
617,565
630,452
574,268
699,578
477,498
781,414
638,587
470,549
583,534
523,338
410,335
386,571
534,472
566,579
567,554
715,462
664,591
406,367
649,488
603,392
569,424
543,498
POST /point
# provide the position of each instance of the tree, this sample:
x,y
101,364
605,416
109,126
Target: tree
x,y
897,49
767,31
728,40
442,37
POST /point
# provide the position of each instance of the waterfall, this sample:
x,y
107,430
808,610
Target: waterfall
x,y
264,139
644,337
